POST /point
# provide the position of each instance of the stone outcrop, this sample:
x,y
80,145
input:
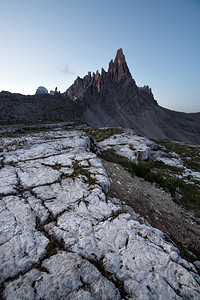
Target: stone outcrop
x,y
134,147
63,238
129,145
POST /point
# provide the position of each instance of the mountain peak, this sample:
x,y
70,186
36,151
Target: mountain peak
x,y
120,55
119,68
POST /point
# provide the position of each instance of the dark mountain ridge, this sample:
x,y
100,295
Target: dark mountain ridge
x,y
107,99
18,108
112,98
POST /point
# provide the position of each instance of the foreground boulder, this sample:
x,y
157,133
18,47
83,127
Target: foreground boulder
x,y
63,238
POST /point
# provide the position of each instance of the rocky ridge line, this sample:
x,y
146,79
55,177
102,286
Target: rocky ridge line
x,y
112,99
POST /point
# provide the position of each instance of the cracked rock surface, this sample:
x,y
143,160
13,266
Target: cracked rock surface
x,y
129,145
63,238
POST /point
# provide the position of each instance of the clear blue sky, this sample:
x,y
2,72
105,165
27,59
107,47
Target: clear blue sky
x,y
51,42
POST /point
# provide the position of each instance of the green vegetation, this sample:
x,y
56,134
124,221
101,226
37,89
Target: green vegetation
x,y
184,194
83,171
25,131
190,154
119,284
51,248
41,122
120,212
77,170
54,167
1,164
35,130
162,166
131,147
100,134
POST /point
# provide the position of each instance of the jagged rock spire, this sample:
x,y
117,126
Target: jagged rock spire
x,y
116,71
119,68
120,55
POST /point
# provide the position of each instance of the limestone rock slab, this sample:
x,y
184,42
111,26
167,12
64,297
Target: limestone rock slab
x,y
66,277
88,246
8,180
21,245
129,145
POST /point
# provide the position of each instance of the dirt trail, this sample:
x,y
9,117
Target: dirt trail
x,y
158,208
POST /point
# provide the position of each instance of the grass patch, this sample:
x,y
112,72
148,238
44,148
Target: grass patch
x,y
41,122
192,164
54,167
35,130
73,126
119,284
185,151
1,164
120,212
132,147
100,134
51,248
24,131
184,194
161,165
83,171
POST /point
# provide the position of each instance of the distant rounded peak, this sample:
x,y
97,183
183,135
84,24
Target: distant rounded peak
x,y
41,90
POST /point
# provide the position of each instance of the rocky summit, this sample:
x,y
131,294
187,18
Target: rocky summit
x,y
108,99
63,237
113,99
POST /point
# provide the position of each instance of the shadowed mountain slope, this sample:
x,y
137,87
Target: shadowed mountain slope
x,y
17,108
112,98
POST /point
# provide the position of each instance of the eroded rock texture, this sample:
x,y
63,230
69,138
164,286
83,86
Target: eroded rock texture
x,y
63,238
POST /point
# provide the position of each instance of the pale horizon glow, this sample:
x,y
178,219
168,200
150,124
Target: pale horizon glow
x,y
49,43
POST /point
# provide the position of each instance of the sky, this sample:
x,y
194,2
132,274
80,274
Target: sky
x,y
51,42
